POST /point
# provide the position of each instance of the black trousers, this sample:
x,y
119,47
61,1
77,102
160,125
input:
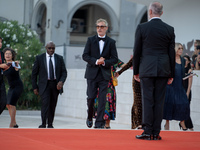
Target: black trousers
x,y
3,99
49,101
153,96
92,89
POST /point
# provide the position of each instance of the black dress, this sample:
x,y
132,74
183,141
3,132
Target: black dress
x,y
176,106
188,122
15,85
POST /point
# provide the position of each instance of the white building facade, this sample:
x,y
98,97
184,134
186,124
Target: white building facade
x,y
71,22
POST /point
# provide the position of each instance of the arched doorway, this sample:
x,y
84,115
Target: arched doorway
x,y
39,20
95,10
144,18
83,22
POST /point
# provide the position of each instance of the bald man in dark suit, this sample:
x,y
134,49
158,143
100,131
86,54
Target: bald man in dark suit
x,y
154,66
50,68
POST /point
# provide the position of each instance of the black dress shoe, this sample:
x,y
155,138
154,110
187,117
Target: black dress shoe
x,y
100,127
108,127
42,126
89,123
143,136
50,126
157,137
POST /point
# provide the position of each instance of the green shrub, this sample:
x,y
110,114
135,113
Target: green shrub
x,y
27,45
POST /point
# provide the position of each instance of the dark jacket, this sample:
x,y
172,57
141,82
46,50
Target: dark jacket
x,y
154,53
40,68
92,53
183,67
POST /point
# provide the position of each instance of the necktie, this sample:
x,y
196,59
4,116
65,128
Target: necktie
x,y
51,72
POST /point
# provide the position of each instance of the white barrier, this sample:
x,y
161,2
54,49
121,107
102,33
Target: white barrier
x,y
72,102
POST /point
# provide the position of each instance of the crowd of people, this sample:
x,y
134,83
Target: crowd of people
x,y
158,86
48,76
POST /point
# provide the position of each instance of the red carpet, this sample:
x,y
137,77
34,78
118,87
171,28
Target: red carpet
x,y
93,139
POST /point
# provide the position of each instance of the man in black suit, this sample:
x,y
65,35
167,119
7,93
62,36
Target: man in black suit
x,y
2,85
154,65
100,54
50,68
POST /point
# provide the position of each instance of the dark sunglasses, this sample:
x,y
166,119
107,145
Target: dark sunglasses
x,y
51,48
101,27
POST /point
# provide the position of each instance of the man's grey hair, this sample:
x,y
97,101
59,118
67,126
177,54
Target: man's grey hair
x,y
102,20
156,7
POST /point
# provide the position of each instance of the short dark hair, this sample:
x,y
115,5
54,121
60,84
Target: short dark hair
x,y
188,57
12,51
1,38
198,47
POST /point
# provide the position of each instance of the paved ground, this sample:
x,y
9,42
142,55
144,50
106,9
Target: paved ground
x,y
31,119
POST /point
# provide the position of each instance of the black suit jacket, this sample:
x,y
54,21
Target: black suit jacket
x,y
154,53
40,68
92,53
183,66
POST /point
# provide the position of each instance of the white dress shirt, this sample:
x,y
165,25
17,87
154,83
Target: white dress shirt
x,y
154,18
53,61
101,45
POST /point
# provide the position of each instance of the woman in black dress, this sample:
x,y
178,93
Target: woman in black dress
x,y
187,84
11,71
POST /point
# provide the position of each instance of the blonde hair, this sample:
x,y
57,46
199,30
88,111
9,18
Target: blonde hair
x,y
197,42
102,20
177,45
